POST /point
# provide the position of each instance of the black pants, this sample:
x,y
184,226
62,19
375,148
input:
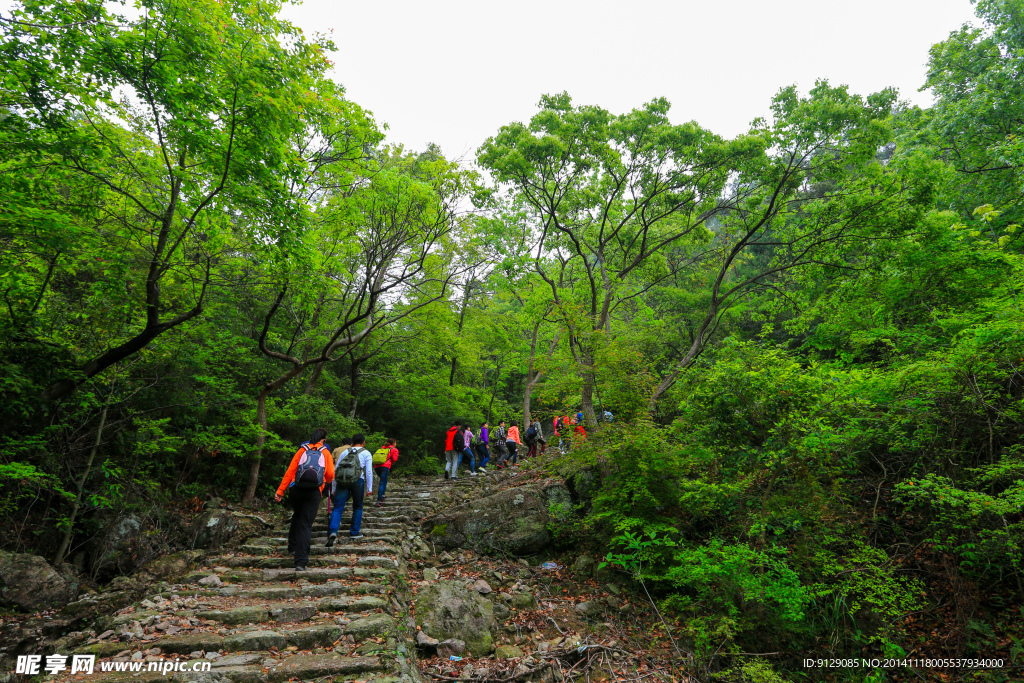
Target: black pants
x,y
305,503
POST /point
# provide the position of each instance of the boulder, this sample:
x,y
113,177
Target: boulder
x,y
453,647
507,652
583,567
514,521
423,640
213,529
29,583
482,587
447,610
174,565
590,608
125,545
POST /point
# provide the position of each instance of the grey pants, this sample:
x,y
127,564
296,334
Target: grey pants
x,y
451,462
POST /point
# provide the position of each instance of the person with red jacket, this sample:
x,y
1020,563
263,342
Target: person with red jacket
x,y
384,470
451,455
312,467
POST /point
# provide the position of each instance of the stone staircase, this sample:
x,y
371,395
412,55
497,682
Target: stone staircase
x,y
257,620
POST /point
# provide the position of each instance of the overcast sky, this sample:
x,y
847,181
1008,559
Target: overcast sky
x,y
453,71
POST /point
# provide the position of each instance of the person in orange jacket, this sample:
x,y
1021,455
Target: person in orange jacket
x,y
312,467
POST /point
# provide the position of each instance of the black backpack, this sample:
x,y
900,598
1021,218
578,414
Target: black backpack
x,y
312,468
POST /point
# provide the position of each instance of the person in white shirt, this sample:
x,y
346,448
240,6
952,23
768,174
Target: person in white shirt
x,y
356,480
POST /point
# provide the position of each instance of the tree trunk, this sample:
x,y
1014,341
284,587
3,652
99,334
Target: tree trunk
x,y
314,377
66,540
353,381
462,320
587,400
261,438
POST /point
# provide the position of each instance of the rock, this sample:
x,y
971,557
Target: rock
x,y
507,652
240,615
373,625
523,601
29,583
590,608
292,611
500,611
431,574
213,529
447,610
451,647
423,640
211,580
124,546
482,587
173,565
513,521
237,660
583,566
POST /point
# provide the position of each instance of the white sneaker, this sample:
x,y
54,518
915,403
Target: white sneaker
x,y
472,474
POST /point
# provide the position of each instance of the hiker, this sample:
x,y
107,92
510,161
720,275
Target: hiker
x,y
452,454
481,448
383,458
499,445
535,437
353,468
310,469
563,433
467,451
512,441
580,432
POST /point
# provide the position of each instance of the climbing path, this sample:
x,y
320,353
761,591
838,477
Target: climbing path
x,y
257,620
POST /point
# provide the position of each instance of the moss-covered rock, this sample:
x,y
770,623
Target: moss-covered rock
x,y
447,610
29,583
513,521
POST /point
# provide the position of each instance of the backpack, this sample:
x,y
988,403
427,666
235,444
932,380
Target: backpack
x,y
347,470
380,456
531,432
311,469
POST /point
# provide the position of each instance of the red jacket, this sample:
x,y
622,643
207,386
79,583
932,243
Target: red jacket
x,y
392,458
452,431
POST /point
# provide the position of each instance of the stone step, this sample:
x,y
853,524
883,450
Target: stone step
x,y
367,547
249,668
288,591
322,575
291,612
327,560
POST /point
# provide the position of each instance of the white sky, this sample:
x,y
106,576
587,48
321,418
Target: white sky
x,y
454,71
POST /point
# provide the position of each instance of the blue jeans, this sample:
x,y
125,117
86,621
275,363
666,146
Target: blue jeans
x,y
382,474
485,455
356,492
513,453
467,453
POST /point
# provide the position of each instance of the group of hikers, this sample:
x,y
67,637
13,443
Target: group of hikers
x,y
347,472
462,445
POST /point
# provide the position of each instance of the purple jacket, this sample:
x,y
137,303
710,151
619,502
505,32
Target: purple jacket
x,y
483,435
